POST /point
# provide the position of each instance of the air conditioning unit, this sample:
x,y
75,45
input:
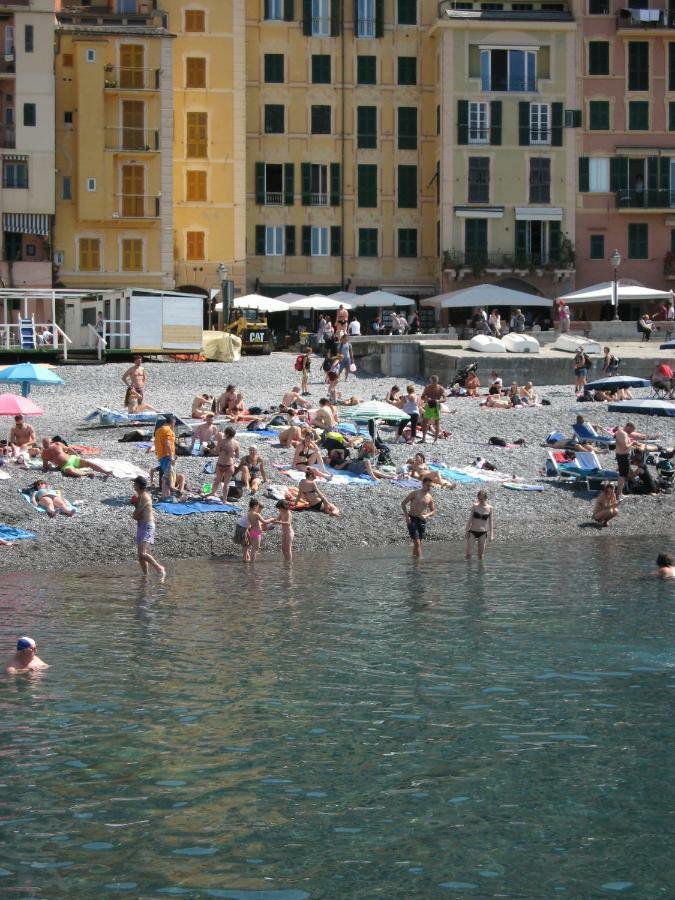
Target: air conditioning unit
x,y
9,57
59,256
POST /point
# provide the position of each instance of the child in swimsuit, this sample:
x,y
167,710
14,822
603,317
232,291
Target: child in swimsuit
x,y
256,524
481,525
285,519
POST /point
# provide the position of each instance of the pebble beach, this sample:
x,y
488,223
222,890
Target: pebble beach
x,y
102,532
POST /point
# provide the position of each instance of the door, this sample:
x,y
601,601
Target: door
x,y
133,125
132,57
133,182
72,325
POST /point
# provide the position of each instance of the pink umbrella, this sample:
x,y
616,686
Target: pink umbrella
x,y
16,405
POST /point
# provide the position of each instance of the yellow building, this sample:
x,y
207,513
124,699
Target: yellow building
x,y
114,139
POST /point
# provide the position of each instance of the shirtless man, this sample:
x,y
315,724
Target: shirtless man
x,y
22,436
207,435
223,401
418,507
323,416
25,659
310,493
201,405
293,399
55,456
235,407
432,397
228,455
136,377
626,438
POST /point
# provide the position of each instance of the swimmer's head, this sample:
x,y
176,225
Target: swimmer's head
x,y
25,644
663,560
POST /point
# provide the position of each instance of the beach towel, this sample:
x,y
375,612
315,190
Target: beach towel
x,y
339,477
26,496
8,533
512,486
458,475
194,507
264,434
121,468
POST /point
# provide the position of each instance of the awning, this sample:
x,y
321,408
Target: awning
x,y
26,223
479,212
538,213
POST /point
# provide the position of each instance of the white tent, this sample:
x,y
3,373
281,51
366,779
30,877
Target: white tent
x,y
344,297
489,295
317,302
262,304
290,297
377,299
627,293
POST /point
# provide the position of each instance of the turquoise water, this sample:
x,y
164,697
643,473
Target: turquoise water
x,y
358,728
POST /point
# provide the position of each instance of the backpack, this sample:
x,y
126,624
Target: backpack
x,y
298,362
497,442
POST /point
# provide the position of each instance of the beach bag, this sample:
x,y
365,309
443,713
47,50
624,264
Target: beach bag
x,y
241,536
352,368
298,362
255,425
497,442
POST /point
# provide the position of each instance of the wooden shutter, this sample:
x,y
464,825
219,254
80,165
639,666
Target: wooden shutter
x,y
306,240
462,121
260,183
618,173
556,124
335,240
335,17
259,240
289,11
554,240
307,18
584,174
132,255
195,245
133,125
523,123
131,66
335,184
197,126
90,255
496,122
521,241
195,72
379,18
195,184
133,182
305,182
290,240
289,184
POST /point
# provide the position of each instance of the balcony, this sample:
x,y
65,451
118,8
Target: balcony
x,y
320,26
136,206
132,140
318,199
497,264
505,12
7,137
7,63
122,79
646,199
628,19
274,198
365,28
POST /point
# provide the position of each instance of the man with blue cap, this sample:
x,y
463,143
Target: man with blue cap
x,y
25,659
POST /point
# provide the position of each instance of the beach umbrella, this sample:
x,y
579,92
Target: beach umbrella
x,y
486,295
16,405
617,382
262,304
626,291
373,409
317,302
27,374
344,297
290,297
377,299
643,407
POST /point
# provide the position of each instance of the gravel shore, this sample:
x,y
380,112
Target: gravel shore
x,y
102,531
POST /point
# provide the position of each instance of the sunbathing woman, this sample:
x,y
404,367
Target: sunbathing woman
x,y
201,404
310,494
495,399
235,407
291,435
606,506
308,454
420,469
224,400
481,525
50,500
134,402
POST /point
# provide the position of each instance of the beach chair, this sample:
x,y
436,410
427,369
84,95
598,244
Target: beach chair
x,y
588,435
583,469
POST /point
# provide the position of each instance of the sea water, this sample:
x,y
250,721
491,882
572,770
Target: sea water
x,y
357,727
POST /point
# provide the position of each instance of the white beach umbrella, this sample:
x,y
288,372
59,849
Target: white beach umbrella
x,y
260,303
290,297
627,293
373,409
486,295
377,299
344,297
317,302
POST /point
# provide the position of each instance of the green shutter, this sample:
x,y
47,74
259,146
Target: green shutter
x,y
554,241
664,174
259,240
356,18
335,184
335,17
407,128
576,118
290,240
584,174
267,9
260,183
523,123
556,124
307,17
289,11
289,184
652,173
462,121
521,242
618,173
335,240
379,18
306,240
496,122
305,182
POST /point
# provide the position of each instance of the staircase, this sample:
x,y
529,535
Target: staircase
x,y
86,357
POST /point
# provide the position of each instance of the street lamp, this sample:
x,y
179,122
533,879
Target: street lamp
x,y
225,286
615,260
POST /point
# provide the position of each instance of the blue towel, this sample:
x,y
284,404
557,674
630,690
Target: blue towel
x,y
195,506
8,533
349,428
457,475
350,476
261,433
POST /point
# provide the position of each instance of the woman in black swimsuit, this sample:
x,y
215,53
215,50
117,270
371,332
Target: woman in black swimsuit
x,y
481,525
307,455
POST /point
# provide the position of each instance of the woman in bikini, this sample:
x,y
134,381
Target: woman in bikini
x,y
307,454
134,402
310,494
481,525
50,500
251,470
285,519
419,469
228,454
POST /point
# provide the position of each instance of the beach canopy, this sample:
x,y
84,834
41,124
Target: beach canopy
x,y
344,297
16,405
318,302
643,407
290,297
486,295
262,304
617,382
626,293
373,409
29,373
377,299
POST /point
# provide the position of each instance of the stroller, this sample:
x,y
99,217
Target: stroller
x,y
461,376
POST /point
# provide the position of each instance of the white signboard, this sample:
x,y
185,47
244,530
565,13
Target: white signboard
x,y
146,323
183,323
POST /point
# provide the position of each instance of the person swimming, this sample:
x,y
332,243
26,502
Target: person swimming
x,y
25,659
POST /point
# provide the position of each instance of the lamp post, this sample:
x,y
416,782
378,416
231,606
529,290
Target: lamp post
x,y
616,260
226,294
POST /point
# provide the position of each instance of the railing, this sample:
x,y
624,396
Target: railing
x,y
100,341
645,18
645,199
7,137
511,85
7,63
274,198
480,260
318,199
130,79
120,337
542,11
321,26
137,206
135,140
540,136
365,28
57,333
479,135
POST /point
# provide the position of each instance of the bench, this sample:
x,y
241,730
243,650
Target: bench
x,y
580,327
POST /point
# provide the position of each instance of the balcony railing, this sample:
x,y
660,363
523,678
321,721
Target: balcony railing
x,y
274,198
321,26
365,28
7,137
7,63
318,199
540,136
645,18
130,79
646,199
132,140
480,261
136,206
479,135
538,10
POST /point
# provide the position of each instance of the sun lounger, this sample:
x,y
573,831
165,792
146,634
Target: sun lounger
x,y
584,468
588,435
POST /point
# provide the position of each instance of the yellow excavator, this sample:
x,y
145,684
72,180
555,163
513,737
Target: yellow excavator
x,y
253,330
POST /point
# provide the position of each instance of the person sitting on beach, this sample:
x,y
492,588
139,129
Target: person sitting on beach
x,y
323,417
54,456
393,395
133,402
644,326
293,400
640,479
41,495
235,407
606,506
514,394
662,377
495,379
419,468
480,527
528,395
471,384
495,400
21,436
290,436
223,401
307,455
201,404
664,566
251,470
206,436
310,494
136,377
361,466
25,659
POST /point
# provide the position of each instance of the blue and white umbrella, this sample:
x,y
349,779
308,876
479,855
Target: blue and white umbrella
x,y
618,382
643,407
27,374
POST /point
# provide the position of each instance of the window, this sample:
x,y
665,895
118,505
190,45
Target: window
x,y
275,184
28,38
68,118
132,255
638,66
407,70
597,246
475,239
366,70
365,18
366,127
274,240
598,115
638,241
195,186
406,13
671,66
479,179
540,180
321,68
314,177
29,115
274,10
407,242
540,123
89,255
671,116
67,188
90,56
195,20
598,7
30,249
598,175
638,115
274,118
508,70
197,135
195,72
598,58
274,68
319,241
479,123
366,186
537,242
407,187
91,185
407,128
320,116
367,241
320,18
194,242
14,173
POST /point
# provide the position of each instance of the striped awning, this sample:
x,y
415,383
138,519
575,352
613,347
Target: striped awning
x,y
26,223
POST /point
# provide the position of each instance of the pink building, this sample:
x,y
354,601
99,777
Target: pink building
x,y
627,155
